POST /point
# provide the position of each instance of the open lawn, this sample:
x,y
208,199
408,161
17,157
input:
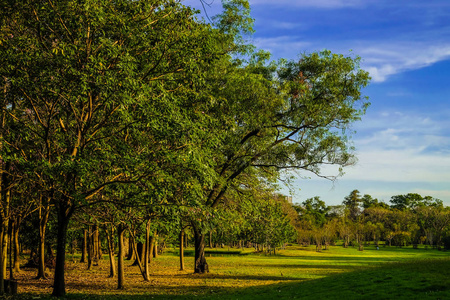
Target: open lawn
x,y
297,272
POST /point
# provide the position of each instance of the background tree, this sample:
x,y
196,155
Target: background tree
x,y
352,203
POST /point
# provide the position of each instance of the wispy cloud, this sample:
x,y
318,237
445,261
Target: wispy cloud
x,y
403,147
388,58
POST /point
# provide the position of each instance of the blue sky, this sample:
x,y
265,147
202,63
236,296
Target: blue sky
x,y
403,142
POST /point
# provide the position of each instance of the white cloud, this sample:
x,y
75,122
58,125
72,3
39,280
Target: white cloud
x,y
380,59
384,59
402,147
399,153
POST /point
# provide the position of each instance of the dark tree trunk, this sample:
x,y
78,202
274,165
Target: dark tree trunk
x,y
89,248
112,265
95,247
150,250
99,247
181,250
120,271
84,247
140,251
130,249
155,246
5,195
2,261
138,260
64,214
147,252
44,211
200,265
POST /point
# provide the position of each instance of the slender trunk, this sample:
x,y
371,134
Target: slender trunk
x,y
10,234
64,214
120,271
147,251
200,265
99,247
112,265
138,260
44,211
4,219
2,274
210,239
3,253
84,247
95,248
155,246
130,249
41,248
89,248
181,250
139,253
150,250
16,245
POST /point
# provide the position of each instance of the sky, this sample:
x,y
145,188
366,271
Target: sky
x,y
403,141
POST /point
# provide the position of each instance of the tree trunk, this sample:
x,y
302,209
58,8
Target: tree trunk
x,y
112,265
130,249
3,254
89,248
44,211
99,247
120,271
139,251
2,262
4,219
150,250
155,245
95,248
200,265
147,251
84,247
210,239
16,245
181,250
64,214
138,260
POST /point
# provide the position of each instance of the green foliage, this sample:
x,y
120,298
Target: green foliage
x,y
413,201
129,111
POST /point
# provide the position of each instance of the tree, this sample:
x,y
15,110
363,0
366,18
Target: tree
x,y
412,201
352,203
295,120
314,210
89,80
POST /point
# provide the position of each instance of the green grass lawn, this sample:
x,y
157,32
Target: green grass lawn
x,y
295,273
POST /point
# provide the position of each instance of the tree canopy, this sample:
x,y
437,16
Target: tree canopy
x,y
139,105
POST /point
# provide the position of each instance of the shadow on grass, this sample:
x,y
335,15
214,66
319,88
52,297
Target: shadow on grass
x,y
429,279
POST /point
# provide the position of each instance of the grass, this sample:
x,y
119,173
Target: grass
x,y
295,273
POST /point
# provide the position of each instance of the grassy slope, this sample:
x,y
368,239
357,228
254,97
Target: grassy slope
x,y
302,273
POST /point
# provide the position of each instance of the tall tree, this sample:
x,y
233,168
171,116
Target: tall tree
x,y
90,80
292,116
